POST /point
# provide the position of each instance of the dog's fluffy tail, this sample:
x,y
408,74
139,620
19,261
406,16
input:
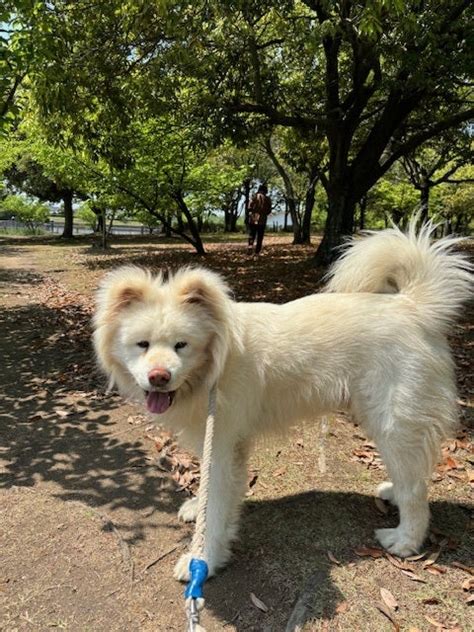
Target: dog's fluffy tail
x,y
437,279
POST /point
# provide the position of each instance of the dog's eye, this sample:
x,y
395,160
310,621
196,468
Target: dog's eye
x,y
180,345
143,344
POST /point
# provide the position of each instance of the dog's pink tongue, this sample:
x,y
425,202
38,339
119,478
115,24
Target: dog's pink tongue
x,y
158,402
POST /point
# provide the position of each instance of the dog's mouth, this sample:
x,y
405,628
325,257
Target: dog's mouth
x,y
158,402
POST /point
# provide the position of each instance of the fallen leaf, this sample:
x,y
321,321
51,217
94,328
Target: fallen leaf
x,y
388,613
258,603
332,558
437,624
364,551
279,472
396,562
469,600
388,599
435,570
432,557
468,584
456,475
449,463
411,575
452,446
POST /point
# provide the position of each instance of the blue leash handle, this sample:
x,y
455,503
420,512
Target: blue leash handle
x,y
199,572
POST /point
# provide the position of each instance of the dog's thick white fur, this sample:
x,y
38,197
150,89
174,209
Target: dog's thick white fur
x,y
374,343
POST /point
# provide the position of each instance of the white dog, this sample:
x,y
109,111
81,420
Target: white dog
x,y
374,343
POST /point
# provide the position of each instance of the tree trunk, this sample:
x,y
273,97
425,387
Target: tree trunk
x,y
339,224
297,236
167,226
104,230
246,185
424,203
289,193
226,220
112,220
228,216
68,214
233,222
100,218
193,228
179,218
285,221
362,209
308,209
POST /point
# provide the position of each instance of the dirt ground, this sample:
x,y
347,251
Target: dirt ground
x,y
88,527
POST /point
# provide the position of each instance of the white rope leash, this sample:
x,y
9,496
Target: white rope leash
x,y
198,567
197,546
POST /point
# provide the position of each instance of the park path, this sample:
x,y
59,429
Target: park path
x,y
84,509
88,526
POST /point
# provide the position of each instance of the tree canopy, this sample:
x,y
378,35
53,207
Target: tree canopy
x,y
334,93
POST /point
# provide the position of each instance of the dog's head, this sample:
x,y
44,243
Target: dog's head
x,y
161,339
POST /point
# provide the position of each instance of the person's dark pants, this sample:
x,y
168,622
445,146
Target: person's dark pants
x,y
256,230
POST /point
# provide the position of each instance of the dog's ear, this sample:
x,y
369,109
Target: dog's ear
x,y
197,294
121,288
207,292
201,287
126,295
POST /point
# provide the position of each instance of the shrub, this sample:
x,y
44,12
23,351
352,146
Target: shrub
x,y
32,214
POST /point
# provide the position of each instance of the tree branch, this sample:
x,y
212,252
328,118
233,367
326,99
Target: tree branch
x,y
11,95
276,117
417,139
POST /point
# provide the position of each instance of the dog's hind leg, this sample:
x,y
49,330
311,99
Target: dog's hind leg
x,y
407,464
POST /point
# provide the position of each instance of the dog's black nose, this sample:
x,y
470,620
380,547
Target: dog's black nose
x,y
159,377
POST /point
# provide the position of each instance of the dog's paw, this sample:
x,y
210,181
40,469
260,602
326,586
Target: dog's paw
x,y
396,542
188,510
385,492
181,568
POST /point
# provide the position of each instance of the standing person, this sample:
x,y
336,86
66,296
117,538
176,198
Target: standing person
x,y
260,208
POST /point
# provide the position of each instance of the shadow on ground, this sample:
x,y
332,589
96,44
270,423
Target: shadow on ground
x,y
56,427
17,276
283,549
280,274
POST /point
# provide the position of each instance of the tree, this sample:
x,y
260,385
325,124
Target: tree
x,y
374,79
437,162
391,199
298,163
370,72
29,176
456,205
32,214
14,56
219,183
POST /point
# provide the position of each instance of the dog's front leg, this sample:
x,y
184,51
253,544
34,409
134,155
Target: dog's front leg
x,y
226,487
